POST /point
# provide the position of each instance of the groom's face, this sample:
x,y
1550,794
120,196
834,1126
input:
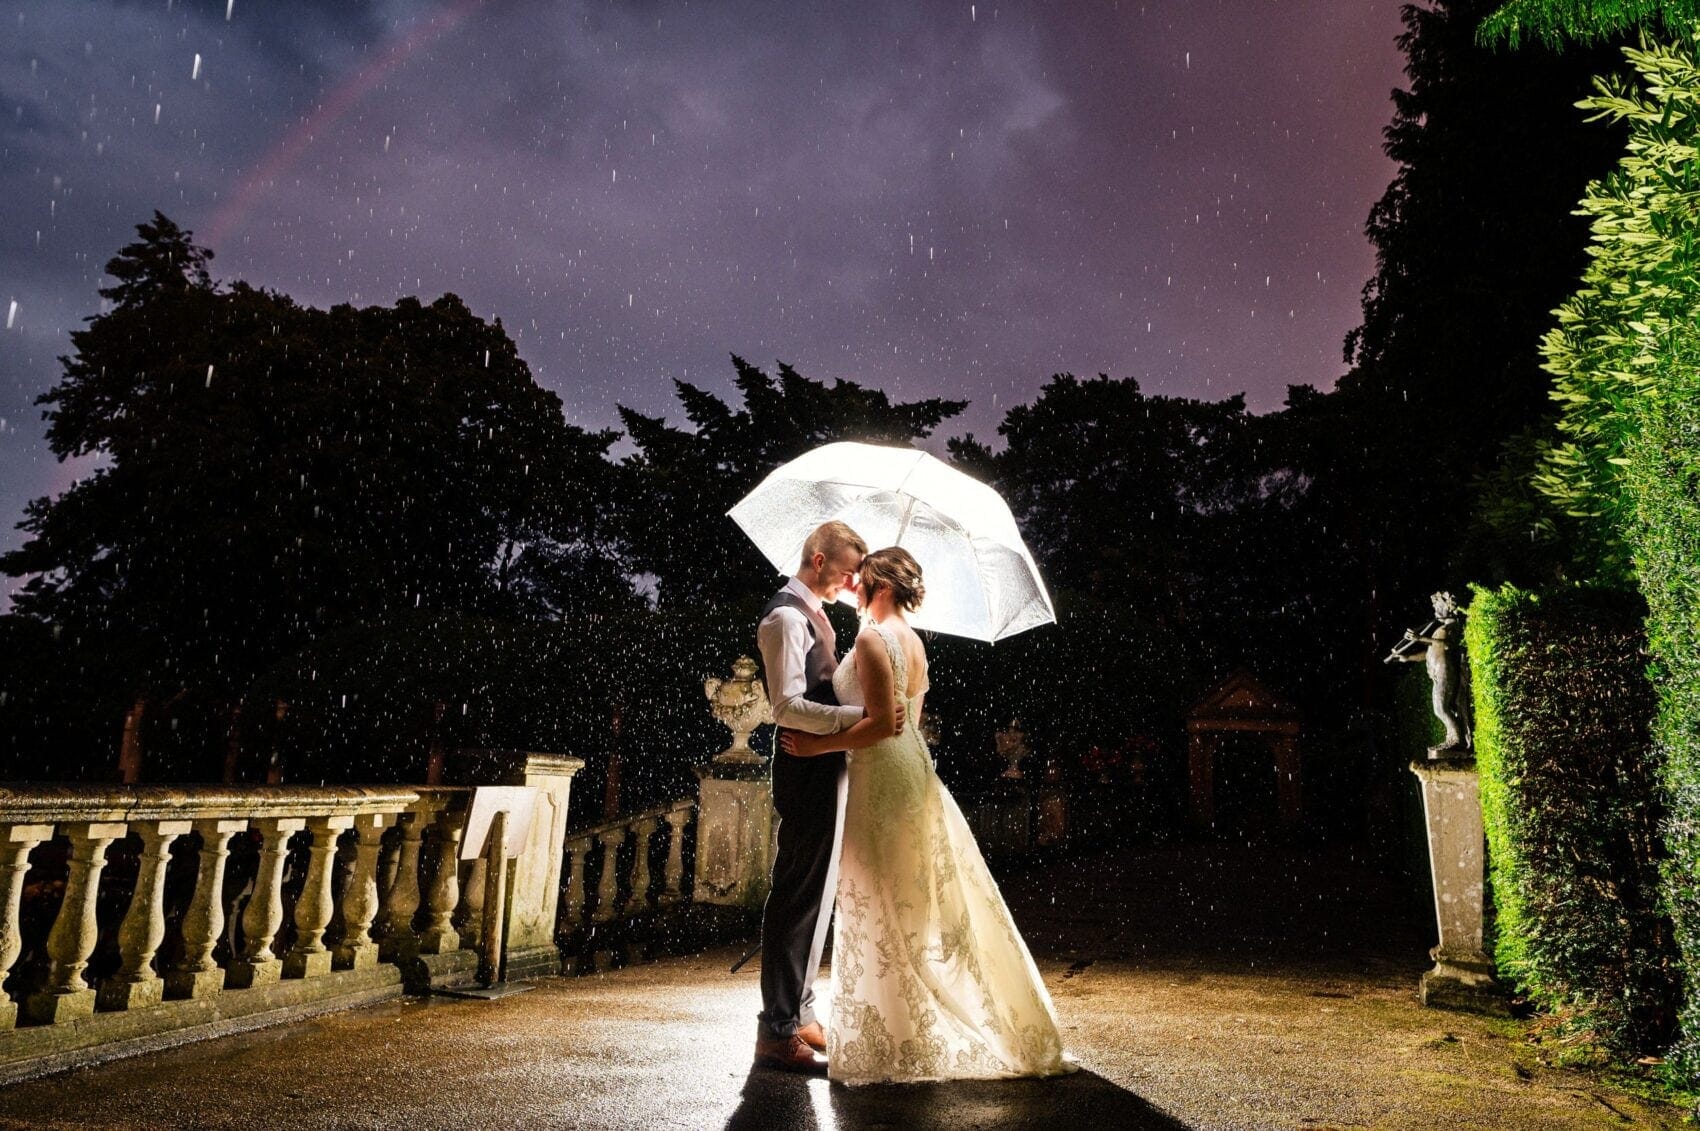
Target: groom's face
x,y
839,573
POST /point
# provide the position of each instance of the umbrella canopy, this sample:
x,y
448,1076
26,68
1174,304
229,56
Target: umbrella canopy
x,y
981,580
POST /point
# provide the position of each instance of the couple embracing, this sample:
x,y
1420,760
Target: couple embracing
x,y
930,979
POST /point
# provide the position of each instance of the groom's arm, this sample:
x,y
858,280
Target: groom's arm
x,y
784,640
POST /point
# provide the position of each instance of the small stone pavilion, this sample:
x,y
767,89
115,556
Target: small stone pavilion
x,y
1241,707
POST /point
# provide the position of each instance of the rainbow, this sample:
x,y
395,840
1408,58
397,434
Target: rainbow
x,y
282,156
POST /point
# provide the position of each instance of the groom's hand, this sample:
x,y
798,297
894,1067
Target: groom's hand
x,y
901,717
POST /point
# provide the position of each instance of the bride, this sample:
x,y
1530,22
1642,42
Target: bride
x,y
930,980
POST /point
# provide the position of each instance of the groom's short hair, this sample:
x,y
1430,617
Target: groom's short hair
x,y
830,538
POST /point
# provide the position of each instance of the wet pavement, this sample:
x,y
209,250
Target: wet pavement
x,y
1198,986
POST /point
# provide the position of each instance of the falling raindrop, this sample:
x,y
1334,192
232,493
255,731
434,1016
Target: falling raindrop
x,y
195,71
156,106
12,314
229,7
209,376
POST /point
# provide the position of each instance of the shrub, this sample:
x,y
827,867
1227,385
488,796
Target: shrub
x,y
1627,361
1570,797
1663,475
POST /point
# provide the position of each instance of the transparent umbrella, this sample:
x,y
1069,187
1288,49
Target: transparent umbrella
x,y
980,577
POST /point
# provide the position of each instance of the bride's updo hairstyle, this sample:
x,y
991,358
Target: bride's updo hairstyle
x,y
896,569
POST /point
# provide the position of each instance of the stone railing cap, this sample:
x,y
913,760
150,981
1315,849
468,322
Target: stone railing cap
x,y
74,801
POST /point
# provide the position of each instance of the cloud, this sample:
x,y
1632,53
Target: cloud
x,y
888,192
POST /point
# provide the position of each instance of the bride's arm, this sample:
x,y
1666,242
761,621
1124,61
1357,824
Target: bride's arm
x,y
879,693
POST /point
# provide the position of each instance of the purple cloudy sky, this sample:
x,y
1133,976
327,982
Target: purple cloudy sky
x,y
947,199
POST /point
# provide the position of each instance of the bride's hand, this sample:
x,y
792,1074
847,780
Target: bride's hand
x,y
797,744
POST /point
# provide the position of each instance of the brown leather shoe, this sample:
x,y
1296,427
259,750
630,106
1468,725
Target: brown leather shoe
x,y
814,1036
789,1054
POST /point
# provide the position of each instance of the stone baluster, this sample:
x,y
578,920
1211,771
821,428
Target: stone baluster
x,y
356,950
310,956
470,914
608,887
673,877
439,935
71,941
135,984
16,842
386,880
577,902
258,966
342,882
401,902
645,830
197,975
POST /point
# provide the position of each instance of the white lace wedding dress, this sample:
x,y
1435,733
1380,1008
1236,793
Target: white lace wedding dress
x,y
930,979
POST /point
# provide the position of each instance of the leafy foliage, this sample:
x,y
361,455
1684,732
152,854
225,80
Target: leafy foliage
x,y
1571,798
1626,359
1557,22
1620,339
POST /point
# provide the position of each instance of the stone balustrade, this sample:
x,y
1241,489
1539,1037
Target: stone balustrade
x,y
345,894
626,881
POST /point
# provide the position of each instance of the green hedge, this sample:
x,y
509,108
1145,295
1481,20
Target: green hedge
x,y
1664,477
1626,358
1570,797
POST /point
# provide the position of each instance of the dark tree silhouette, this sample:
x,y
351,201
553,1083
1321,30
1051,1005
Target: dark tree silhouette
x,y
270,471
1475,244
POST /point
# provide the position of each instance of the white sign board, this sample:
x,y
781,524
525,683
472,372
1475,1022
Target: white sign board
x,y
518,801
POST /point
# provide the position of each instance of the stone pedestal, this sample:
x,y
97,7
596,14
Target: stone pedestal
x,y
734,834
536,870
1463,974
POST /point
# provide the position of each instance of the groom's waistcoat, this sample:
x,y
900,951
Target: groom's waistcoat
x,y
819,663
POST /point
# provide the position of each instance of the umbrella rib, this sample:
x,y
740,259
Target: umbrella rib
x,y
980,568
920,458
908,513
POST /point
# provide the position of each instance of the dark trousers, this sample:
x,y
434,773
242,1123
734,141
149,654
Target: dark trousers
x,y
808,795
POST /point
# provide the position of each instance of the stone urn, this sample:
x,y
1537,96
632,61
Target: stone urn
x,y
740,704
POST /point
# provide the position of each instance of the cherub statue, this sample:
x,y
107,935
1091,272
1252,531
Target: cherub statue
x,y
1443,653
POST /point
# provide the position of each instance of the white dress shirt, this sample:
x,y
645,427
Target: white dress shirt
x,y
784,639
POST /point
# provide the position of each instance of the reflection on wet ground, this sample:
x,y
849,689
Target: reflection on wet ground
x,y
1203,986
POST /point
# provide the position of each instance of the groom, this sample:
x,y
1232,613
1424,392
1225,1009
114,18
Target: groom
x,y
797,651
